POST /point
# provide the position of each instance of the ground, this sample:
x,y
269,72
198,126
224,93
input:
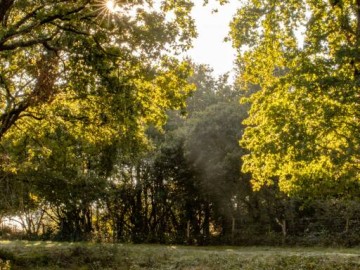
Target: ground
x,y
55,255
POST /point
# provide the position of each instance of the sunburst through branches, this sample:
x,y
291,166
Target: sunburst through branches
x,y
107,9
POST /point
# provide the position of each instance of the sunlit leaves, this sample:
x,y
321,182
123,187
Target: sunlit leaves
x,y
93,56
79,84
303,123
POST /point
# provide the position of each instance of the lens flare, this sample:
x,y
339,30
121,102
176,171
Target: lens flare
x,y
106,10
112,6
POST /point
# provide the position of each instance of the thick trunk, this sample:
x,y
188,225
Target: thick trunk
x,y
43,92
9,118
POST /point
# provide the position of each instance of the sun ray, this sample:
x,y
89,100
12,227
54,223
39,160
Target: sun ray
x,y
112,6
105,10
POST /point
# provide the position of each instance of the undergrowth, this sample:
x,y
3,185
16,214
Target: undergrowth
x,y
52,255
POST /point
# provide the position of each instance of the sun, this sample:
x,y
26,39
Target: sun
x,y
106,10
112,6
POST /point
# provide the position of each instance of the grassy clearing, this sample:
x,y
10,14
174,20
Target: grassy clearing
x,y
53,255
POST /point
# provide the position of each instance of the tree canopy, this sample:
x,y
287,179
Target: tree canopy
x,y
78,61
303,124
79,84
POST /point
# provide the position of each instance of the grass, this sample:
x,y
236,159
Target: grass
x,y
54,255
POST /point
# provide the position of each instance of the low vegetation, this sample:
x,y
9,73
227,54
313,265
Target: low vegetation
x,y
55,255
107,136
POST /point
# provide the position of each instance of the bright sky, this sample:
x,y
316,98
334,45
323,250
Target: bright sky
x,y
209,47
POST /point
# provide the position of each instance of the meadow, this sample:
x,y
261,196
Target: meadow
x,y
56,255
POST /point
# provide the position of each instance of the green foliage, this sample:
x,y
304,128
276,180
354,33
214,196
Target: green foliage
x,y
79,85
212,148
101,73
209,90
162,191
303,124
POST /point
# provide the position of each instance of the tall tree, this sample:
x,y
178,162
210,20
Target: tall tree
x,y
212,149
303,127
78,78
110,62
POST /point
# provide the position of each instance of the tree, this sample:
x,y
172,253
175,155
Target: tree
x,y
112,66
77,80
303,123
212,148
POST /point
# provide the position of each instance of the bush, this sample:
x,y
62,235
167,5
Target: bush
x,y
5,265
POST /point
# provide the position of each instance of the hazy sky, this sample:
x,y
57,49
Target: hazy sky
x,y
209,47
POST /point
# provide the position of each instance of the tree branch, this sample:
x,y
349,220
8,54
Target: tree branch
x,y
70,29
27,17
23,44
17,32
9,97
358,21
9,118
5,6
31,115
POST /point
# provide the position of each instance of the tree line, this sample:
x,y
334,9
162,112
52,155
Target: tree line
x,y
105,135
186,187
